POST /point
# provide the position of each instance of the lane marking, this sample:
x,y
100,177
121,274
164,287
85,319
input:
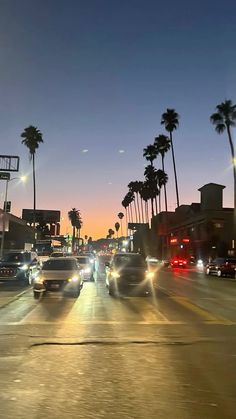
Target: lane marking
x,y
113,322
206,315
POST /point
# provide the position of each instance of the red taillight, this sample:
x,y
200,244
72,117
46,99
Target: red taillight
x,y
185,262
176,261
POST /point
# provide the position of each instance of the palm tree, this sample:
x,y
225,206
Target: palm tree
x,y
150,174
132,188
162,179
162,144
130,199
110,233
150,153
224,119
121,216
117,227
78,225
32,137
144,193
74,216
170,119
125,204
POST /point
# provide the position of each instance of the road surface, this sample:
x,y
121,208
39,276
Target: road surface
x,y
169,355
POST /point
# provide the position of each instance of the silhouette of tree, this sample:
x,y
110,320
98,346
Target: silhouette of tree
x,y
150,153
170,119
162,144
32,137
121,216
117,227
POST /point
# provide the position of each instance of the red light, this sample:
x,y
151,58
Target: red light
x,y
185,262
185,240
173,241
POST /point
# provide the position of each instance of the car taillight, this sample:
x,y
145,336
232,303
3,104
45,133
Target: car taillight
x,y
185,262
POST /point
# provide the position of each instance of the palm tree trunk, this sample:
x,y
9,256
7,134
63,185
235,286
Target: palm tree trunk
x,y
138,206
160,201
131,213
142,210
34,197
234,172
126,219
156,205
173,158
73,239
135,210
121,227
163,168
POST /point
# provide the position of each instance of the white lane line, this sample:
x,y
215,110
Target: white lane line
x,y
105,322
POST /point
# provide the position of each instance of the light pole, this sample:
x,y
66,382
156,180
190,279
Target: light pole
x,y
23,179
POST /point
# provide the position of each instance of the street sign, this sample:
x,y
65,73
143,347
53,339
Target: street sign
x,y
5,176
7,206
9,163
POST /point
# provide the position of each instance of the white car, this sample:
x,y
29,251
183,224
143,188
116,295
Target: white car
x,y
61,273
87,267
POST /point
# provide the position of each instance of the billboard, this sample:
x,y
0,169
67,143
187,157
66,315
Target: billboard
x,y
41,216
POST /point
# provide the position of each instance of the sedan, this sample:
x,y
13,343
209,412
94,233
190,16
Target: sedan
x,y
222,267
87,267
56,274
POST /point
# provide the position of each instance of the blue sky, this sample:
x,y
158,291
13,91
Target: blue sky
x,y
96,75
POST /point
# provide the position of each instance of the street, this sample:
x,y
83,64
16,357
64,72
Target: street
x,y
169,355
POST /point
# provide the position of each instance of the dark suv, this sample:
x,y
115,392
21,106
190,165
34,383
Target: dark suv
x,y
222,267
129,271
18,267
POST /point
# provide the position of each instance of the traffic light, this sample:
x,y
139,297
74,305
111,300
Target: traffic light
x,y
7,206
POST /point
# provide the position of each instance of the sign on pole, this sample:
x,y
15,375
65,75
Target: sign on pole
x,y
9,163
5,176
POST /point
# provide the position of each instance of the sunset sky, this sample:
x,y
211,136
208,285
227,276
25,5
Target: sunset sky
x,y
95,76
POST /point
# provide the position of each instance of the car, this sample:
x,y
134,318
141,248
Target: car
x,y
92,257
62,273
19,267
178,262
57,255
87,267
129,271
222,267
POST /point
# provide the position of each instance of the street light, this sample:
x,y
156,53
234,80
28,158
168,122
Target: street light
x,y
22,179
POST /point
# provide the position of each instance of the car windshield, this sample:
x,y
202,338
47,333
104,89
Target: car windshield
x,y
16,257
59,265
129,261
83,260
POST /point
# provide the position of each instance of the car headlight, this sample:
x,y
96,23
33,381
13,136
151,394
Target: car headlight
x,y
23,268
91,260
39,279
115,274
150,275
87,270
74,278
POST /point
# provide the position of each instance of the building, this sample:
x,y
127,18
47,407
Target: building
x,y
201,230
18,235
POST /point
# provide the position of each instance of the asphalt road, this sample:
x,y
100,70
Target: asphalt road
x,y
169,355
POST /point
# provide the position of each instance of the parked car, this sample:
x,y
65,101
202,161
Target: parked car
x,y
58,274
19,267
129,271
222,267
178,262
57,255
87,267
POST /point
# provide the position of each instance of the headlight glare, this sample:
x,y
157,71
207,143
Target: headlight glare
x,y
150,275
115,274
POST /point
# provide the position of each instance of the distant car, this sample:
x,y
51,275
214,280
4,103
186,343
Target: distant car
x,y
222,267
91,255
58,274
19,267
178,262
87,267
57,255
129,271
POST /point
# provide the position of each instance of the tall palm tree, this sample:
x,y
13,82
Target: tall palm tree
x,y
73,216
117,227
170,119
224,119
150,153
162,144
110,233
145,195
150,174
78,224
133,187
125,204
130,199
32,137
121,216
162,179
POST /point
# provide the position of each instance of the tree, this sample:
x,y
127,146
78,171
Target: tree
x,y
132,189
224,119
117,227
32,137
150,174
125,204
170,119
121,216
110,233
150,153
74,217
162,144
162,179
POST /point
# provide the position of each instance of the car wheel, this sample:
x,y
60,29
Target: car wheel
x,y
37,295
111,291
76,293
219,273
